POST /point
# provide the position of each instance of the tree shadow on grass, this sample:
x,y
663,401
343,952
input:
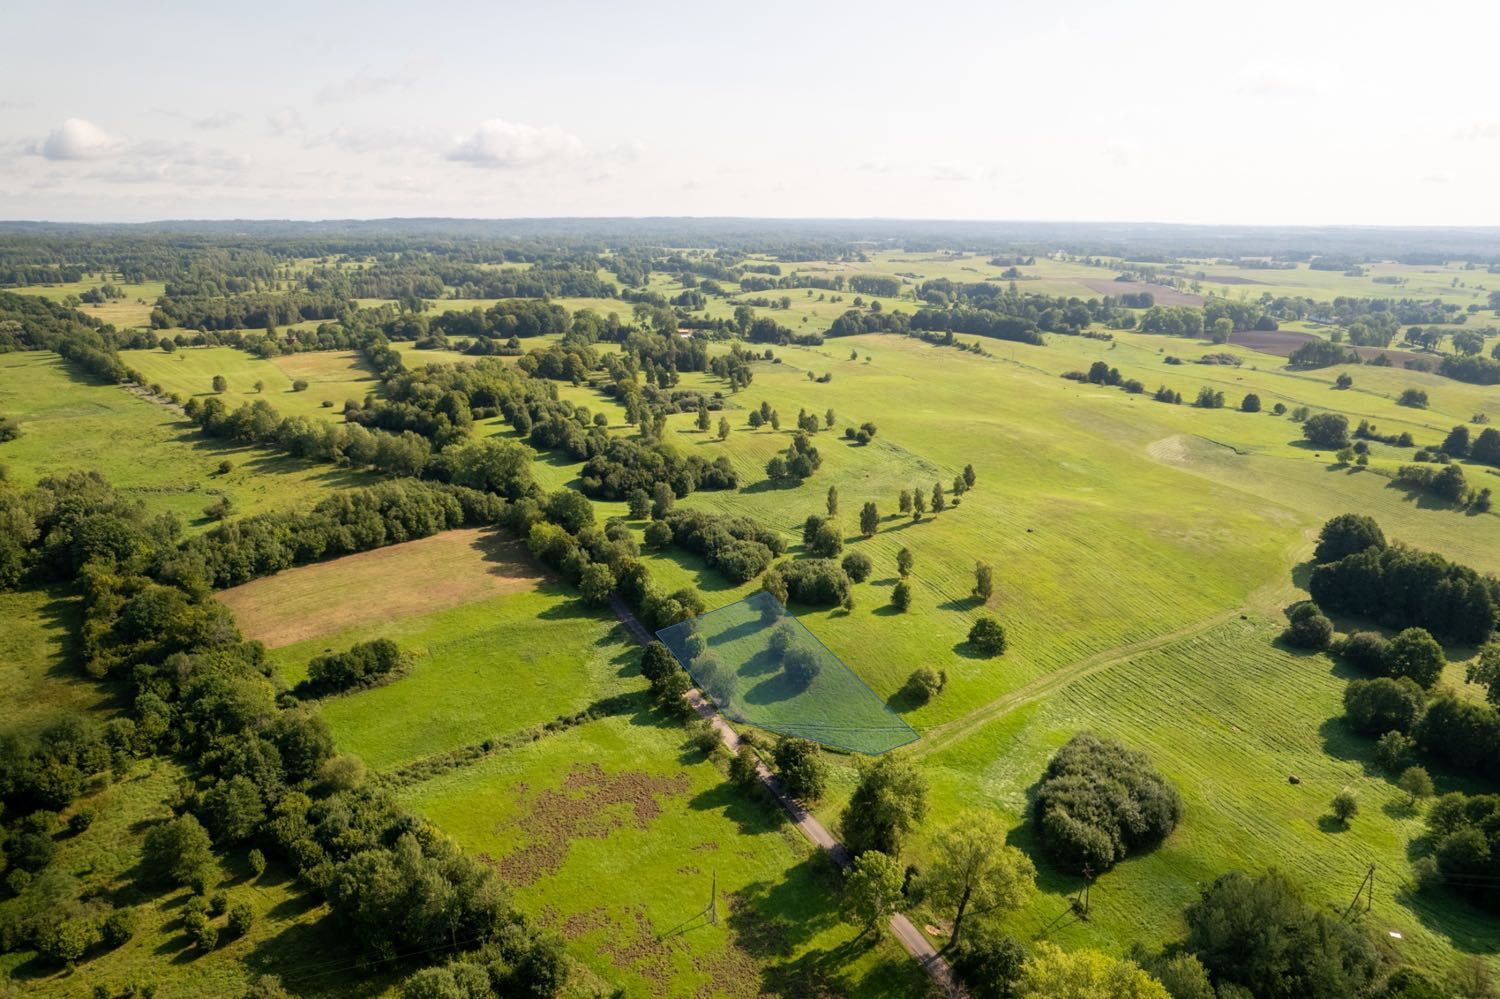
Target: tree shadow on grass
x,y
752,812
1448,914
1332,825
767,486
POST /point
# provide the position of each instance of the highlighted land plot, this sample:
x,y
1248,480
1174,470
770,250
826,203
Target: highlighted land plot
x,y
762,667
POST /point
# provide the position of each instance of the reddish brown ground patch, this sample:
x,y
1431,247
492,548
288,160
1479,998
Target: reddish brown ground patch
x,y
1163,296
1282,343
591,804
415,577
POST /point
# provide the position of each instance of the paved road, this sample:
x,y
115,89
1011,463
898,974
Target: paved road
x,y
915,942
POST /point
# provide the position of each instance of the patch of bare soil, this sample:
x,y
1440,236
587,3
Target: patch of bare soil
x,y
414,577
1282,343
1229,279
1163,296
590,804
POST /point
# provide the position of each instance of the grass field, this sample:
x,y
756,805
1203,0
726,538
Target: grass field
x,y
143,447
614,835
134,310
38,673
332,377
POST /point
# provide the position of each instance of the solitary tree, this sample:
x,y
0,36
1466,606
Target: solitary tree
x,y
702,415
220,383
833,501
775,420
972,866
1417,784
872,890
869,520
1250,404
969,476
901,596
889,802
1345,806
723,428
938,501
828,418
984,581
904,561
988,636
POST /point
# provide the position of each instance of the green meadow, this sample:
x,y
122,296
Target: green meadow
x,y
142,446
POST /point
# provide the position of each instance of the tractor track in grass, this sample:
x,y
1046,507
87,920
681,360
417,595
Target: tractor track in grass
x,y
942,736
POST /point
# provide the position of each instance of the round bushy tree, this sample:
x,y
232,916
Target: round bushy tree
x,y
988,636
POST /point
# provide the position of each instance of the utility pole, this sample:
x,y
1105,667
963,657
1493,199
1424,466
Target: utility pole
x,y
1366,889
1081,903
713,902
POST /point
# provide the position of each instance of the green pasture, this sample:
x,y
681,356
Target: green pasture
x,y
332,377
145,449
614,834
134,310
481,670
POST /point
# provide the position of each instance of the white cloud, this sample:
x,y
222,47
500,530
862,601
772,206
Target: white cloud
x,y
362,85
79,140
507,144
1277,81
219,119
1479,130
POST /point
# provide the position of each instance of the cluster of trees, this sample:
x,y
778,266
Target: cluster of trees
x,y
738,547
799,461
1446,482
818,582
1466,839
1401,587
252,311
350,521
1099,801
266,768
362,665
626,466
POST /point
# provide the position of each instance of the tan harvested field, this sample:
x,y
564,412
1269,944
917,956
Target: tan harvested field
x,y
1164,295
417,577
1283,343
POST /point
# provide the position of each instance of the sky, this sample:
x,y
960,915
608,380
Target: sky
x,y
1313,112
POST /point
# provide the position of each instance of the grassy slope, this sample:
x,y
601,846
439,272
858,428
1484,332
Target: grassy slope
x,y
1135,549
332,376
141,446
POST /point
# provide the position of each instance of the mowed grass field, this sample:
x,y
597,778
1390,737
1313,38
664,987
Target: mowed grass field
x,y
332,377
143,447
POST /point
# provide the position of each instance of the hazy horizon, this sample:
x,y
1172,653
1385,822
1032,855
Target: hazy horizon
x,y
1167,112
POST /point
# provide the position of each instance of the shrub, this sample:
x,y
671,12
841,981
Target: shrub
x,y
742,766
815,581
1382,705
924,684
1344,806
1365,651
1327,430
857,566
1415,653
299,385
988,636
119,926
901,596
1309,629
1099,801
